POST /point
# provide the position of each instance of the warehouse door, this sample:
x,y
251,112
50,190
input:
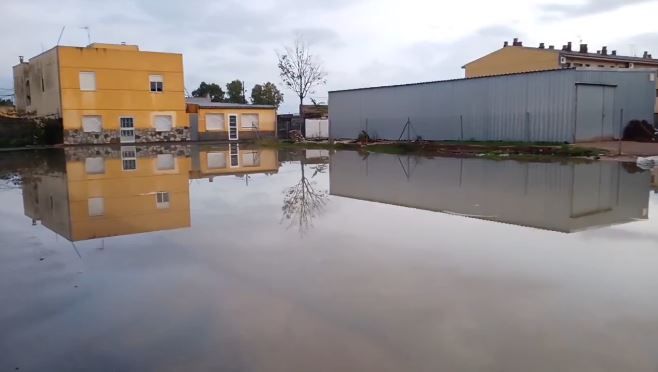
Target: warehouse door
x,y
594,112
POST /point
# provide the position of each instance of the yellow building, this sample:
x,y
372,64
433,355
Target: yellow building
x,y
516,58
106,93
119,193
230,121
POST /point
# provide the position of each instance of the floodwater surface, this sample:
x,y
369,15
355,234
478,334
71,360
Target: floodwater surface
x,y
238,258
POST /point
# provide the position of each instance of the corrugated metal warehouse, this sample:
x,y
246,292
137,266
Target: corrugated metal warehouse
x,y
566,105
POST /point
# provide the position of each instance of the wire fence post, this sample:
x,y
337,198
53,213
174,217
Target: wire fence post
x,y
621,134
408,129
461,127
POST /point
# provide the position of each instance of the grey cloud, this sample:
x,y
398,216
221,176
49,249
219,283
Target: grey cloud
x,y
555,11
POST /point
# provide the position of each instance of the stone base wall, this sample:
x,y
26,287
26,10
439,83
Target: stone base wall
x,y
223,135
80,153
111,136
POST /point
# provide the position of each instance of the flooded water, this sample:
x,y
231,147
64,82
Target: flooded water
x,y
237,258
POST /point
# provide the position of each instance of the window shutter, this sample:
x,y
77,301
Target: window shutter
x,y
214,121
96,206
249,121
216,160
166,162
92,124
95,165
88,81
163,123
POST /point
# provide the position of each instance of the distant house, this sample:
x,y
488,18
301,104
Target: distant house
x,y
515,58
230,121
105,93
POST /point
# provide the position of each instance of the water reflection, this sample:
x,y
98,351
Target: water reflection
x,y
551,196
96,192
105,191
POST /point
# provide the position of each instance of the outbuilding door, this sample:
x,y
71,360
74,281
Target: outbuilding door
x,y
595,112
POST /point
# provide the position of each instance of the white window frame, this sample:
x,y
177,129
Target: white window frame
x,y
155,122
128,154
156,78
237,127
126,139
245,125
234,153
85,128
223,128
162,200
87,88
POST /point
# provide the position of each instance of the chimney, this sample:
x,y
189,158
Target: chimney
x,y
604,50
515,42
505,44
123,43
614,53
649,56
569,46
541,46
645,55
583,48
551,47
21,59
598,52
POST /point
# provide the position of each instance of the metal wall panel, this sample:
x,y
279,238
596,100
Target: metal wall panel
x,y
523,107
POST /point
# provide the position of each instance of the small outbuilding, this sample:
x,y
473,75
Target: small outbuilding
x,y
229,121
565,105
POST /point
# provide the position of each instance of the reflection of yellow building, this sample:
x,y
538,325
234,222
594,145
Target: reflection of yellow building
x,y
100,197
106,93
104,192
231,121
233,159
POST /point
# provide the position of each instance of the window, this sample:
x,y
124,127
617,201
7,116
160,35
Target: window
x,y
95,165
235,155
216,160
127,131
92,123
88,81
162,200
163,123
250,158
96,206
128,158
28,95
43,84
214,121
249,121
656,93
156,83
166,162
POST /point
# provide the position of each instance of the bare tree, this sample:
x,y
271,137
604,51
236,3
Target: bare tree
x,y
300,70
304,201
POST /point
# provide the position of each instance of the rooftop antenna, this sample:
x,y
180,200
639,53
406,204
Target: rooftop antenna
x,y
88,34
60,35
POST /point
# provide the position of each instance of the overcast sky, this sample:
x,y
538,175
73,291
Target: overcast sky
x,y
360,42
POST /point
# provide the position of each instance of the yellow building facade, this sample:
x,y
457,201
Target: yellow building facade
x,y
516,58
230,121
106,93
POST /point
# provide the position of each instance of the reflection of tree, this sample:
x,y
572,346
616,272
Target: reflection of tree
x,y
10,181
304,201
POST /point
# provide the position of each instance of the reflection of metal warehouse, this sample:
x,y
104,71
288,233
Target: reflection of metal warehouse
x,y
550,196
565,105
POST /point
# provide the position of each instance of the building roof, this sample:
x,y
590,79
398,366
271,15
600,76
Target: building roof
x,y
577,54
204,102
647,69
